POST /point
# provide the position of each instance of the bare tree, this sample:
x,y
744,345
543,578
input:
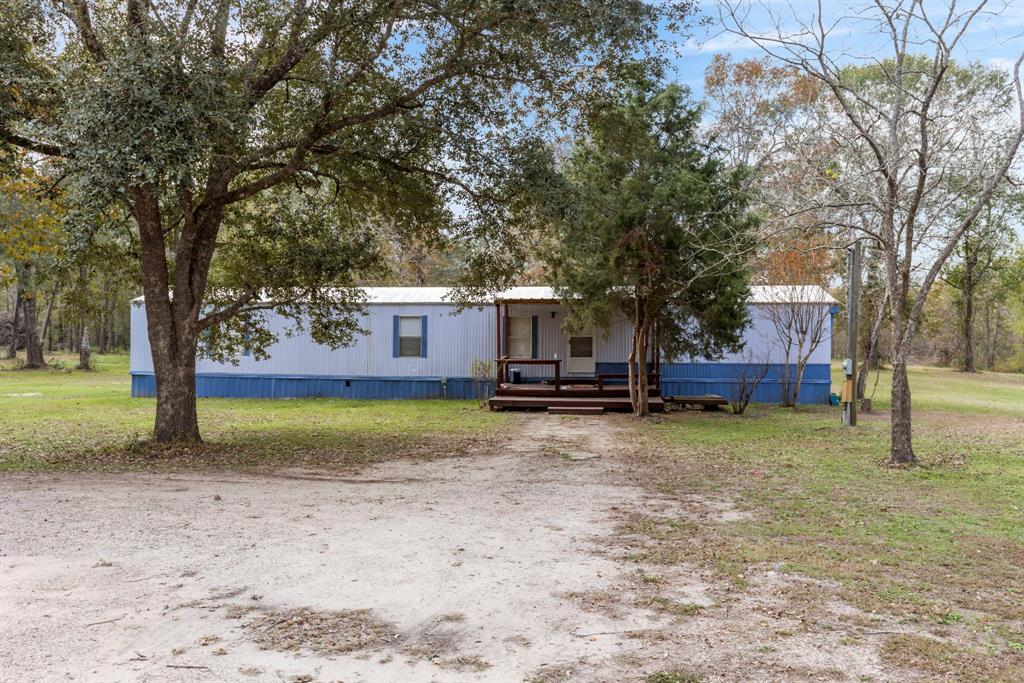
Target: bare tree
x,y
759,110
748,376
796,268
916,133
800,321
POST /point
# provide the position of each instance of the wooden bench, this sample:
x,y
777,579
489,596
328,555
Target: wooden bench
x,y
707,401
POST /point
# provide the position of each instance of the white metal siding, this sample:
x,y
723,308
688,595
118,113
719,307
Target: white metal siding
x,y
140,359
453,342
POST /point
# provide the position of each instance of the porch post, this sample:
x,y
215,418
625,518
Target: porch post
x,y
657,356
505,340
498,370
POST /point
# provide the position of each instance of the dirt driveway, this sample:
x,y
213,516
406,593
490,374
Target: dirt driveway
x,y
493,567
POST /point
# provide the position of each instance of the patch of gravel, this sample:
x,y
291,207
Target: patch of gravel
x,y
466,663
321,632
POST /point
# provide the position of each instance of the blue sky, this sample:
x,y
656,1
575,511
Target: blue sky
x,y
995,38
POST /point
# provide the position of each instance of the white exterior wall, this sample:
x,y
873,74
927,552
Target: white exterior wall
x,y
453,342
139,357
762,341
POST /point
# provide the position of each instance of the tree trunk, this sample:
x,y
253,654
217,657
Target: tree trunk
x,y
631,365
105,317
968,314
174,364
795,394
172,322
871,351
12,350
46,320
33,347
112,325
786,380
176,418
101,333
902,452
84,351
641,406
992,336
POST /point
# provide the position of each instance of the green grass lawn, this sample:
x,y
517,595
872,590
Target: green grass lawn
x,y
58,417
944,390
941,543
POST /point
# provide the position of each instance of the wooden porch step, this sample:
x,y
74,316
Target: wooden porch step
x,y
609,403
575,410
538,390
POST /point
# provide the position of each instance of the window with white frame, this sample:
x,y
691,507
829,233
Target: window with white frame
x,y
520,337
410,330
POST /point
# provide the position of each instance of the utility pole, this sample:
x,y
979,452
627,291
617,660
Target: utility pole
x,y
852,311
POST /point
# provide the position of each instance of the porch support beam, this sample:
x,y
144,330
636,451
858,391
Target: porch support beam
x,y
657,355
505,335
499,368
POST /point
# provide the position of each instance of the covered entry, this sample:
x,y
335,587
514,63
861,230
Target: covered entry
x,y
539,365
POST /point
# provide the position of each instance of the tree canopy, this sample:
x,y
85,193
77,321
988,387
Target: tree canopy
x,y
646,220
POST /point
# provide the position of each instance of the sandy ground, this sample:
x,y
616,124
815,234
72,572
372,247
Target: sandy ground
x,y
493,567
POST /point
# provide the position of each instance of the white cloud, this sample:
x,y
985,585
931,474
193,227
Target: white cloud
x,y
723,42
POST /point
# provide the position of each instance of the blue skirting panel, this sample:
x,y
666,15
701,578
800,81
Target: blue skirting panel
x,y
676,379
695,379
209,385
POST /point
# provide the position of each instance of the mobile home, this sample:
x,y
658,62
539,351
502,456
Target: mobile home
x,y
419,344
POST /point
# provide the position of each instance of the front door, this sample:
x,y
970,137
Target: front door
x,y
581,355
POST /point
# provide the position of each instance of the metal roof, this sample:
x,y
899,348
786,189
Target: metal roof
x,y
441,295
790,294
770,294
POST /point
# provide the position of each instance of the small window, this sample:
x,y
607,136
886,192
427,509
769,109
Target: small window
x,y
410,329
520,337
581,347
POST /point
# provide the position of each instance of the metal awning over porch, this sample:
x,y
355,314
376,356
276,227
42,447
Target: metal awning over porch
x,y
527,295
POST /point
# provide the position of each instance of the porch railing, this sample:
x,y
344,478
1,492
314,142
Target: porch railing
x,y
653,378
504,361
503,375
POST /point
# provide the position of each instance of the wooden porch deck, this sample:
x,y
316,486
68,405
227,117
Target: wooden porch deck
x,y
569,388
602,391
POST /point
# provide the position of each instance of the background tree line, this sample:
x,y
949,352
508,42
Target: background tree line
x,y
62,289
